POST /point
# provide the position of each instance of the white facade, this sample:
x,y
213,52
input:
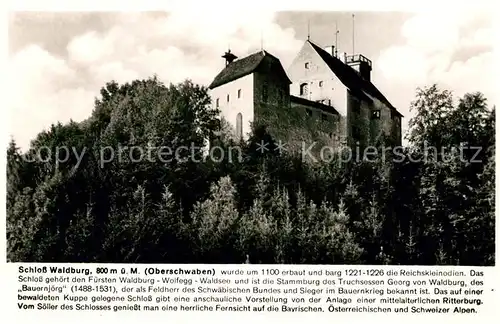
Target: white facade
x,y
233,98
309,68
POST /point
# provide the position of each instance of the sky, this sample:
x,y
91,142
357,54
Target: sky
x,y
58,61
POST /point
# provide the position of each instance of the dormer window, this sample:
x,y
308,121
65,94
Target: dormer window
x,y
239,93
227,98
320,84
306,65
376,114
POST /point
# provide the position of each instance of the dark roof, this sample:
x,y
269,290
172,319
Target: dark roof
x,y
351,79
242,67
314,104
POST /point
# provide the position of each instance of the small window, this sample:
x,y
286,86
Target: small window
x,y
239,93
217,103
303,89
227,98
376,114
324,117
264,94
239,126
306,65
320,84
309,112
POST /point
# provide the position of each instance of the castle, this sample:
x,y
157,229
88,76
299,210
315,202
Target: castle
x,y
329,98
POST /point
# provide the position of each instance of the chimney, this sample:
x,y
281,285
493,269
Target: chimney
x,y
230,57
360,64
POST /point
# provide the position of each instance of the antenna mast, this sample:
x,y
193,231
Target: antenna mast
x,y
261,40
336,39
353,53
308,29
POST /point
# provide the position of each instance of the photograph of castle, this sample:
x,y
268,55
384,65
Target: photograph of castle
x,y
319,84
262,138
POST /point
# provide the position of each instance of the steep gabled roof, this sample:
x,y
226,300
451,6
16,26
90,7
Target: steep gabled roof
x,y
242,67
351,79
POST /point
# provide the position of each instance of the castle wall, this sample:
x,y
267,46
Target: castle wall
x,y
325,129
388,126
396,130
366,129
271,92
358,120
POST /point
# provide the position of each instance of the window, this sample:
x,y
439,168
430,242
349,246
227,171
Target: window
x,y
306,65
239,126
326,102
309,112
217,103
227,98
320,84
324,117
376,114
239,93
264,93
303,89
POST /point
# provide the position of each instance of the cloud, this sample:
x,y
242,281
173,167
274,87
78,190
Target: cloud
x,y
42,93
453,49
175,46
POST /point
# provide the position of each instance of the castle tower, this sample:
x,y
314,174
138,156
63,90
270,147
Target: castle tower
x,y
360,64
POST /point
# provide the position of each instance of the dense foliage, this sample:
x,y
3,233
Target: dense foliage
x,y
105,203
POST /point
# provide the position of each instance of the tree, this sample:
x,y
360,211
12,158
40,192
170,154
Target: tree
x,y
338,242
214,223
452,140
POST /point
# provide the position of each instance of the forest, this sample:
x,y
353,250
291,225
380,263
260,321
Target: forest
x,y
428,207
